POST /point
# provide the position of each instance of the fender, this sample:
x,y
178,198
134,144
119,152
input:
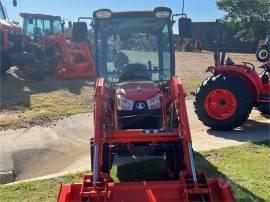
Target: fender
x,y
250,76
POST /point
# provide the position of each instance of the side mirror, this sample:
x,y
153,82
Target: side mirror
x,y
80,32
184,25
63,24
69,24
15,3
31,21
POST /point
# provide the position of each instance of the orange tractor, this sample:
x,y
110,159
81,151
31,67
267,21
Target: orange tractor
x,y
140,109
225,99
11,49
64,57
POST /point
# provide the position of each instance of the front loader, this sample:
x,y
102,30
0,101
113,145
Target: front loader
x,y
140,109
59,55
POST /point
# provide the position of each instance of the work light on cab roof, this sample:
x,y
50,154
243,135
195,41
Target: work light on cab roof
x,y
162,12
103,14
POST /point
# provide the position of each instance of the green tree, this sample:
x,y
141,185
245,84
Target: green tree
x,y
250,18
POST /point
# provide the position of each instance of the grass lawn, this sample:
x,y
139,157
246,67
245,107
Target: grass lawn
x,y
191,85
44,108
246,166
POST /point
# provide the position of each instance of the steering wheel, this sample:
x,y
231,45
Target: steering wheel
x,y
134,71
120,61
249,65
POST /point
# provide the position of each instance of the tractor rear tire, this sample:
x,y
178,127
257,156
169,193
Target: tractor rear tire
x,y
223,102
35,75
263,54
175,159
264,109
4,62
4,68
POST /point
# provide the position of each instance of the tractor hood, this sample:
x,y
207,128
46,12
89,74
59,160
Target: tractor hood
x,y
8,26
137,91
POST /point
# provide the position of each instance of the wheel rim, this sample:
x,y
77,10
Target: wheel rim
x,y
220,104
263,54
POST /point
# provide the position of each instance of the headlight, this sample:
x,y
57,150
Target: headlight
x,y
162,12
103,14
124,103
154,103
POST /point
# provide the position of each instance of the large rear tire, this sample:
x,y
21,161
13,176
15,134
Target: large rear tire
x,y
223,102
4,68
4,62
33,73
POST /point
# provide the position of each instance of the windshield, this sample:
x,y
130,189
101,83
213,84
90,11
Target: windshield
x,y
139,43
2,12
38,28
57,26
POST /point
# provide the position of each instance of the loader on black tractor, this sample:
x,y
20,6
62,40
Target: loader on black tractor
x,y
140,109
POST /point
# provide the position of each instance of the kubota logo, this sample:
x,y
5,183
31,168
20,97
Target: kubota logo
x,y
140,105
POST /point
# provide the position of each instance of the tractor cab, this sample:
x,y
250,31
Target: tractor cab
x,y
135,55
37,26
133,42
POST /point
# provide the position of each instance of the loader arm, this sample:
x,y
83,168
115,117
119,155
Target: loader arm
x,y
178,95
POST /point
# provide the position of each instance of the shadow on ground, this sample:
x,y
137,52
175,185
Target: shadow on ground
x,y
251,130
16,91
32,163
155,170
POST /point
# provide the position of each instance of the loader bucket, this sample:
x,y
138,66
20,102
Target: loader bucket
x,y
213,190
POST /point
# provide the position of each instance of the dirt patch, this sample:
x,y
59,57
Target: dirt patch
x,y
194,65
26,103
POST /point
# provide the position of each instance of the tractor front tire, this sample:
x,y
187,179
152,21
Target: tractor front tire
x,y
263,54
223,102
174,159
107,157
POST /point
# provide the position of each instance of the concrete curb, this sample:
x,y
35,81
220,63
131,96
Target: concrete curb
x,y
46,177
7,174
7,177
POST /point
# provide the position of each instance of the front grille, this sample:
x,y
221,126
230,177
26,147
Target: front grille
x,y
140,118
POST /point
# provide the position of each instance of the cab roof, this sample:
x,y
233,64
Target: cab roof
x,y
40,16
134,14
